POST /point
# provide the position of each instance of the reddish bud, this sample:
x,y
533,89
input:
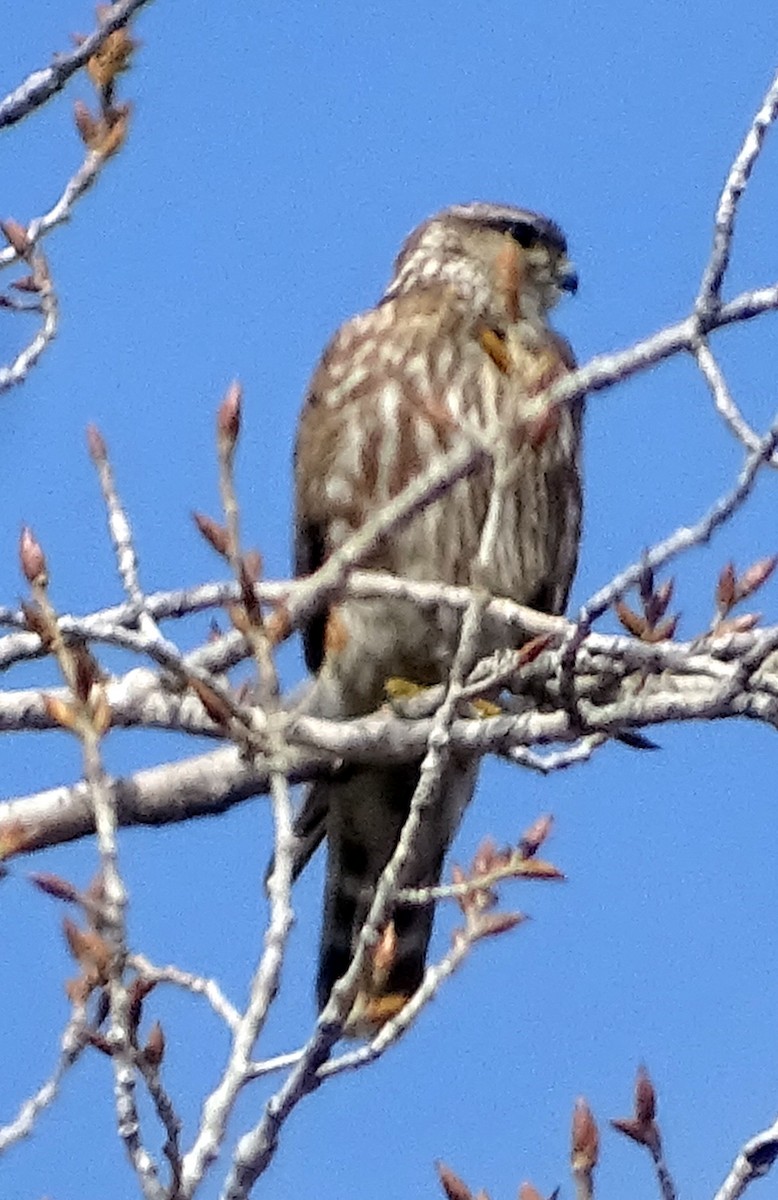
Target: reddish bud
x,y
756,575
87,125
485,857
658,603
89,949
278,625
113,130
246,581
60,712
98,451
95,893
55,885
536,868
725,589
528,1192
637,1131
138,993
454,1187
32,558
101,713
16,236
27,283
214,533
78,990
86,672
532,650
645,1097
742,624
632,622
585,1139
154,1049
213,704
664,631
228,419
251,565
239,619
492,924
534,837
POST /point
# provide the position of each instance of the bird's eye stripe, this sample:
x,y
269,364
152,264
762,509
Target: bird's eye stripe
x,y
527,232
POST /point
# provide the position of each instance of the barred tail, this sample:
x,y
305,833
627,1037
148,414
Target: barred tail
x,y
366,810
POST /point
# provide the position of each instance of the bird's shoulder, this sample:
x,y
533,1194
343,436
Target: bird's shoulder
x,y
381,336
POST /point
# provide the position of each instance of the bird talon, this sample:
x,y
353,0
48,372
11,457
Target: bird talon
x,y
485,708
397,688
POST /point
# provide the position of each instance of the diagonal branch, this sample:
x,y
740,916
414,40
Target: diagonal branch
x,y
739,174
754,1161
39,87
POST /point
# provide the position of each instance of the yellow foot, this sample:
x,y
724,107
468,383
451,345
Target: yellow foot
x,y
485,708
398,688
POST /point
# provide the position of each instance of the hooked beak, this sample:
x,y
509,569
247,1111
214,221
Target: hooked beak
x,y
568,279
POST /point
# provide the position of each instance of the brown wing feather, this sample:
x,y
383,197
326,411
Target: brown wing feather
x,y
309,554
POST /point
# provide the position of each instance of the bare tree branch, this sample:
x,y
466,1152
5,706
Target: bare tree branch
x,y
754,1161
71,1046
42,85
41,284
738,176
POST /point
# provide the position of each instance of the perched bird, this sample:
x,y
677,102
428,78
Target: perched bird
x,y
458,346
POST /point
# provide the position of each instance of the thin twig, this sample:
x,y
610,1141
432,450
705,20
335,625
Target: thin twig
x,y
393,1030
665,1180
726,210
120,532
115,903
61,211
684,538
27,358
71,1046
239,1069
198,985
724,400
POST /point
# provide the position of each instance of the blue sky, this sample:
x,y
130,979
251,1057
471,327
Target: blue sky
x,y
279,153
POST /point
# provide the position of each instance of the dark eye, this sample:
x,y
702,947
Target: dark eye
x,y
523,232
529,233
525,235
